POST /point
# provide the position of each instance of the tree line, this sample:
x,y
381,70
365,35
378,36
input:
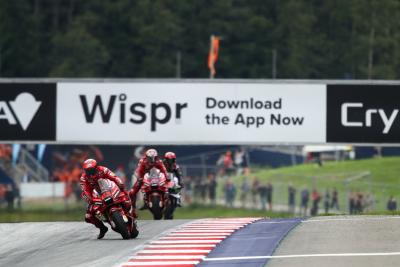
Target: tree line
x,y
307,39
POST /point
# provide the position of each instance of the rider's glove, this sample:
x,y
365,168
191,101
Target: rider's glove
x,y
122,187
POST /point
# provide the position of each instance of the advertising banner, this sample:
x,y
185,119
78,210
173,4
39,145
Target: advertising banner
x,y
27,111
191,113
363,113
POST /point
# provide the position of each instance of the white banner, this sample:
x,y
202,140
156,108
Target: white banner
x,y
191,113
40,190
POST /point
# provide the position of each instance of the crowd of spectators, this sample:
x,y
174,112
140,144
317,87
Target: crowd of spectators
x,y
229,163
360,202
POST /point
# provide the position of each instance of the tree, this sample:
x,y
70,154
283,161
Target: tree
x,y
77,53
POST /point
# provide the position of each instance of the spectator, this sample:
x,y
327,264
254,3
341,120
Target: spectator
x,y
392,204
335,199
305,197
359,202
3,190
254,190
262,191
269,195
9,196
230,193
238,161
212,188
76,188
228,163
352,202
327,198
292,198
315,197
203,190
245,189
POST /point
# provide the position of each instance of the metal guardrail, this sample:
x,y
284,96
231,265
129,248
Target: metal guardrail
x,y
32,167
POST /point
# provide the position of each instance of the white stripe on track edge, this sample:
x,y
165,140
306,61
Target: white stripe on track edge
x,y
200,234
182,246
306,256
204,231
175,251
161,263
187,242
193,238
210,227
165,257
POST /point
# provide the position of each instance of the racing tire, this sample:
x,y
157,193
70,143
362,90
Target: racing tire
x,y
135,231
156,209
120,225
169,210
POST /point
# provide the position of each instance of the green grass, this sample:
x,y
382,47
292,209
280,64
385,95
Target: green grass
x,y
197,211
76,212
383,181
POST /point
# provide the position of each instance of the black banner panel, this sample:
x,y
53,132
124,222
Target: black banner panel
x,y
27,111
363,113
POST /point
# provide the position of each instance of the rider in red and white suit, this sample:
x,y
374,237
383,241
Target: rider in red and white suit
x,y
92,173
148,161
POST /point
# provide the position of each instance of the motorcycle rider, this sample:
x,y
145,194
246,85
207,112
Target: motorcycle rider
x,y
172,167
88,181
148,161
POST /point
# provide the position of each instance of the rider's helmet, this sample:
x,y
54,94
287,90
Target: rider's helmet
x,y
170,158
151,155
90,167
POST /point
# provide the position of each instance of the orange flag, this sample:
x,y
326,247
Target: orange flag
x,y
213,54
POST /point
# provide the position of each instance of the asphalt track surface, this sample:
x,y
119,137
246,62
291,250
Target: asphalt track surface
x,y
357,241
72,243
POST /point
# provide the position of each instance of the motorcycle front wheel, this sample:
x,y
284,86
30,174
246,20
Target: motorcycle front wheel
x,y
120,224
155,208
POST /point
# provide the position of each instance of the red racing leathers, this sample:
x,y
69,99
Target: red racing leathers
x,y
142,168
89,183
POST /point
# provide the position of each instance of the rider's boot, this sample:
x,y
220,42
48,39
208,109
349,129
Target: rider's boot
x,y
103,230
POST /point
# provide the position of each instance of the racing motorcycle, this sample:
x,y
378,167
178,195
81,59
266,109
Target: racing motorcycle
x,y
108,199
174,197
155,192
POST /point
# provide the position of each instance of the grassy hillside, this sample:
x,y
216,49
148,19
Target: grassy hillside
x,y
383,181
